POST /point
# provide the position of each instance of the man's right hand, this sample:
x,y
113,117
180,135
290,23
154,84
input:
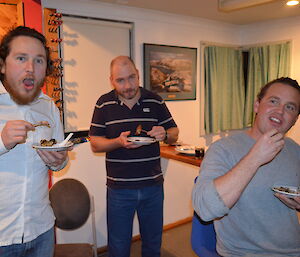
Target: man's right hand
x,y
267,147
263,151
125,143
293,203
15,132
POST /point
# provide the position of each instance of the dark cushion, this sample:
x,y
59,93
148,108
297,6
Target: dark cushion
x,y
70,201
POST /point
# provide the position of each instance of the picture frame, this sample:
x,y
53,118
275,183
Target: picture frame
x,y
170,71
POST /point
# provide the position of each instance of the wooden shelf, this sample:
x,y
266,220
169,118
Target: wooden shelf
x,y
169,152
52,33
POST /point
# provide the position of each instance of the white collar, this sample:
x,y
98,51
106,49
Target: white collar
x,y
2,89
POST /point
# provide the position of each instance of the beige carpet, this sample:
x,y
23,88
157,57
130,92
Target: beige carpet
x,y
175,243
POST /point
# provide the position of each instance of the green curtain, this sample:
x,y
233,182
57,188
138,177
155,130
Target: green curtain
x,y
224,89
265,64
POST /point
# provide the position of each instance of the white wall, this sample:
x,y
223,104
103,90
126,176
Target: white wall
x,y
162,28
82,45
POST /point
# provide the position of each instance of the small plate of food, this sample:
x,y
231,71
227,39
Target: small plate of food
x,y
52,145
186,149
287,190
141,140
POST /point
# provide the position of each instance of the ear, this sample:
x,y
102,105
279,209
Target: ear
x,y
111,81
2,66
296,118
256,105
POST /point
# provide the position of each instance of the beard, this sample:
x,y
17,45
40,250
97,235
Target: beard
x,y
129,93
21,99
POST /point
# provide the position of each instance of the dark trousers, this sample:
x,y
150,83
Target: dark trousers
x,y
122,204
42,246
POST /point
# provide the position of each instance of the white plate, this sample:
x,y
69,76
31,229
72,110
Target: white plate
x,y
292,191
54,147
141,140
186,149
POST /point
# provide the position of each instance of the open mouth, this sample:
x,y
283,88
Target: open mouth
x,y
276,120
29,83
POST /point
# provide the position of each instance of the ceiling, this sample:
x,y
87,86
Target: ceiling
x,y
266,10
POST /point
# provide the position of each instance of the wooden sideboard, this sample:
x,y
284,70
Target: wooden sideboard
x,y
169,152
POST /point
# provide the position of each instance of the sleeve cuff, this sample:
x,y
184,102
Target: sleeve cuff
x,y
217,204
3,149
207,202
59,167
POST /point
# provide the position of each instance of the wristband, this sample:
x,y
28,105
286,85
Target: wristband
x,y
166,138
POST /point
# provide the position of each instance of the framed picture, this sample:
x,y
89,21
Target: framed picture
x,y
170,71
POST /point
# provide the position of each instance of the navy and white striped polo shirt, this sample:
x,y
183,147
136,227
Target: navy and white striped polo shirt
x,y
131,168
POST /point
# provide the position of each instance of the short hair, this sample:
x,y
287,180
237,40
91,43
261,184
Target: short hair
x,y
283,80
28,32
123,59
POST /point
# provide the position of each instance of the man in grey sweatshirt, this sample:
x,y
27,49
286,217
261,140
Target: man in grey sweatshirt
x,y
238,172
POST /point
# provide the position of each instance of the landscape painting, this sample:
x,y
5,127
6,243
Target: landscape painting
x,y
170,71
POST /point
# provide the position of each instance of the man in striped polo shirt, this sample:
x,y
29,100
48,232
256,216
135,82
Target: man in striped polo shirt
x,y
134,176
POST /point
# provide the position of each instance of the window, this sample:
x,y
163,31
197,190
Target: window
x,y
232,79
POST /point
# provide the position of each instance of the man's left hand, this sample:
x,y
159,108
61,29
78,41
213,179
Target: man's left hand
x,y
158,132
293,203
52,158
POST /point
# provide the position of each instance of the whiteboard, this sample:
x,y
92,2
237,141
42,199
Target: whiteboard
x,y
88,47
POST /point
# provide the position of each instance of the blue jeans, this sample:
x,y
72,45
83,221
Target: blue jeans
x,y
42,246
121,207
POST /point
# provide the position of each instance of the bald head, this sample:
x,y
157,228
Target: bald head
x,y
124,77
122,61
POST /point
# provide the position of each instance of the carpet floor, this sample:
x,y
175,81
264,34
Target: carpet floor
x,y
175,243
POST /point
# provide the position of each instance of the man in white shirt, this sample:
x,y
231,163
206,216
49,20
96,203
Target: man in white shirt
x,y
26,217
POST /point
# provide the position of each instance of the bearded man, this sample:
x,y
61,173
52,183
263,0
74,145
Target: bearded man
x,y
26,217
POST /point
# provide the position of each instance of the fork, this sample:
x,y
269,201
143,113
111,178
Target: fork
x,y
63,143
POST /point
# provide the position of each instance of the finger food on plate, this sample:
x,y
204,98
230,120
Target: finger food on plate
x,y
50,142
139,130
287,190
290,191
42,123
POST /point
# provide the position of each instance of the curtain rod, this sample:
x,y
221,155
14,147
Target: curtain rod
x,y
243,47
267,43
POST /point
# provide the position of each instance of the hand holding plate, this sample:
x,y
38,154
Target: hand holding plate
x,y
293,203
53,158
123,141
